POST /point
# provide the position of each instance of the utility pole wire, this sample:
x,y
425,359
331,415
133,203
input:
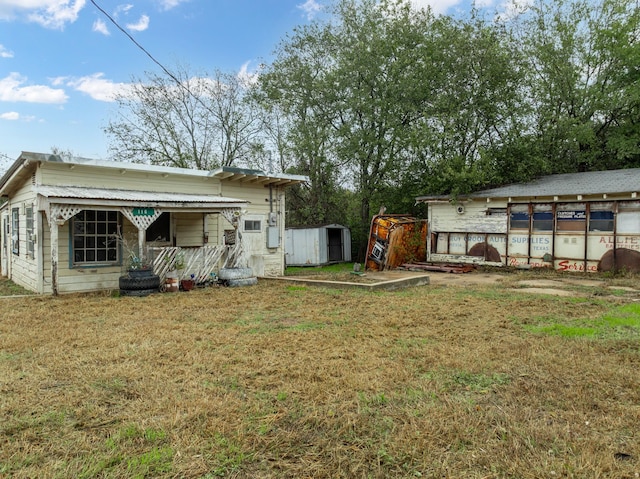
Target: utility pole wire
x,y
140,46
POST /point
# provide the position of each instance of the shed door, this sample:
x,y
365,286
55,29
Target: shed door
x,y
335,244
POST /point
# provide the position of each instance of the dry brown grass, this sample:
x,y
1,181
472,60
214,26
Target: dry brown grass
x,y
287,381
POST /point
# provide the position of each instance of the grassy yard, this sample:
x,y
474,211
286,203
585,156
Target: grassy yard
x,y
279,381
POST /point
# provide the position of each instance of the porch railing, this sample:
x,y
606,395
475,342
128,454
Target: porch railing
x,y
199,262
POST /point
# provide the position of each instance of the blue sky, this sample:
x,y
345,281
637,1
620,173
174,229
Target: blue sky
x,y
62,60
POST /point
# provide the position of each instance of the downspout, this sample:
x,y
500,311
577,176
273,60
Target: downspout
x,y
587,211
615,236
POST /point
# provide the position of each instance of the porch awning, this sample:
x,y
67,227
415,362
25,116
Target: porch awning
x,y
114,198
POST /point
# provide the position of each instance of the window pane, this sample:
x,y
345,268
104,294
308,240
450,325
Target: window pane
x,y
543,221
519,221
601,221
92,241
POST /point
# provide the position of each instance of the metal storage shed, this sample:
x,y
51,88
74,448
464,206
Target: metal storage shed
x,y
317,245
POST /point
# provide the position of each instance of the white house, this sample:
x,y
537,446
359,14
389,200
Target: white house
x,y
61,216
572,222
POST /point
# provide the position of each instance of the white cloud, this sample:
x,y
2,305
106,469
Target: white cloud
x,y
437,6
4,53
101,27
311,8
512,8
48,13
96,86
141,26
169,4
12,89
10,115
124,8
246,76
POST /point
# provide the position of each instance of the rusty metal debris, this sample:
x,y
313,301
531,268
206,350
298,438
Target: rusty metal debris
x,y
395,239
442,267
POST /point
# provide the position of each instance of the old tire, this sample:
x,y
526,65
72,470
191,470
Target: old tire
x,y
226,274
242,282
137,292
139,283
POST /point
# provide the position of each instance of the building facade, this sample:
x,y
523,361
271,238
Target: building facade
x,y
570,222
66,221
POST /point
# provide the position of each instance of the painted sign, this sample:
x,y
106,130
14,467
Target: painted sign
x,y
572,215
143,212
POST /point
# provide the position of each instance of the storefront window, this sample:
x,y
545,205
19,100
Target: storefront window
x,y
601,221
571,218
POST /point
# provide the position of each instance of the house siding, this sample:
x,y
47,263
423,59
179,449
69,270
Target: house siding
x,y
264,261
23,267
189,229
61,174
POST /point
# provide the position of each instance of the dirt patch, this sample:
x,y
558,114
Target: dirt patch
x,y
552,291
555,285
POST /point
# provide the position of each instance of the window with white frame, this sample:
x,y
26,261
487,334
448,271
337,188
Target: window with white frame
x,y
252,225
15,231
31,233
94,238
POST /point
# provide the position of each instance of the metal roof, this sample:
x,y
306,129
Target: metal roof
x,y
82,195
568,184
243,175
226,173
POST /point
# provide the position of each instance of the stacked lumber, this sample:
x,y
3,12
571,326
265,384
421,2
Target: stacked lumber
x,y
442,267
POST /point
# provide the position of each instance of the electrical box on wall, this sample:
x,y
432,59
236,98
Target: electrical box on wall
x,y
273,218
273,237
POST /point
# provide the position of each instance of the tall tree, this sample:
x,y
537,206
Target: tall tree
x,y
351,88
477,109
583,58
186,121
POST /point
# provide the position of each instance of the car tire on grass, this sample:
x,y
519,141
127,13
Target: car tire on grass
x,y
241,282
226,274
139,283
138,292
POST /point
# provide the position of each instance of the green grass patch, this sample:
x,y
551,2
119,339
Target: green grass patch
x,y
132,451
9,288
621,322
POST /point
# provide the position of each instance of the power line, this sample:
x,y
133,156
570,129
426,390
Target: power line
x,y
138,45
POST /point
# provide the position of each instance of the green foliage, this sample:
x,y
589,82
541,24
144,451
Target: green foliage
x,y
379,102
